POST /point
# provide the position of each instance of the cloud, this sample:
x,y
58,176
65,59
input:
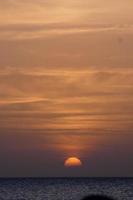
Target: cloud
x,y
80,50
66,99
35,30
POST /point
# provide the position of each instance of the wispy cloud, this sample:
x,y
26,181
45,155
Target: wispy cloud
x,y
34,31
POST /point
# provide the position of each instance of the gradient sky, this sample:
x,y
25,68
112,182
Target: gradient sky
x,y
66,87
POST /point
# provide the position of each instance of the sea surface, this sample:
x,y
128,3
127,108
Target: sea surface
x,y
65,188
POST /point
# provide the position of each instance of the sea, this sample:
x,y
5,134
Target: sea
x,y
64,188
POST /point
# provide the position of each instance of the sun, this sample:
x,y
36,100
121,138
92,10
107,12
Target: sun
x,y
72,162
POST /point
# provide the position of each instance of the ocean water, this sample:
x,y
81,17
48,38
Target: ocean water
x,y
64,188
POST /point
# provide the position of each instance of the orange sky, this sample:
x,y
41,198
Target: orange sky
x,y
66,86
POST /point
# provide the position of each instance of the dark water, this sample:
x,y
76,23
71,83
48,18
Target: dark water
x,y
65,188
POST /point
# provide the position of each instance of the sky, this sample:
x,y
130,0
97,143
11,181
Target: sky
x,y
66,87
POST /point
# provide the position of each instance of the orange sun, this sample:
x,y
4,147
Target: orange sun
x,y
72,162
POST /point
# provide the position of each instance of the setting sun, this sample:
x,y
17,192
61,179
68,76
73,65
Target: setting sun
x,y
72,162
